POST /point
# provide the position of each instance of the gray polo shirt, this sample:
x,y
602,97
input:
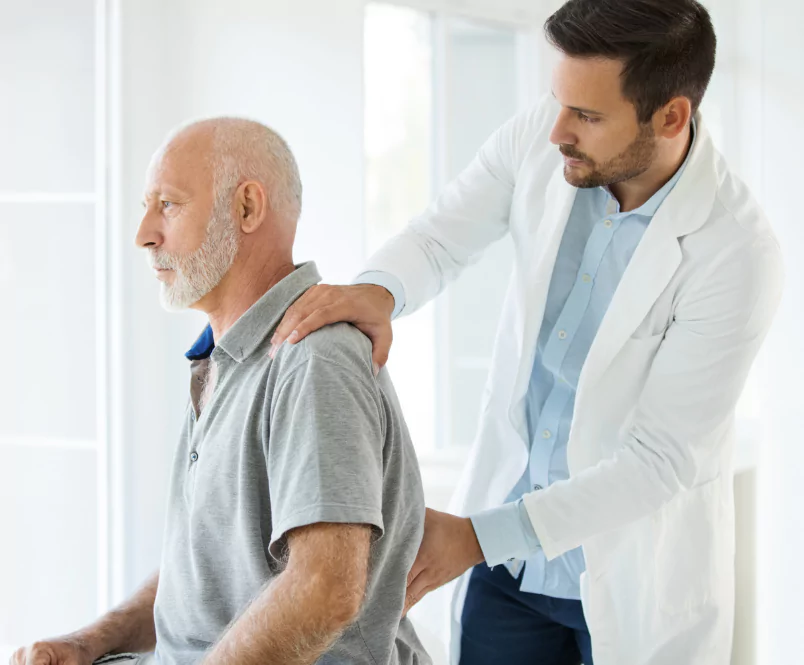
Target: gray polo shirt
x,y
309,437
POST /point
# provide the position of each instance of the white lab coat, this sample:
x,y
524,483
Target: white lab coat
x,y
650,451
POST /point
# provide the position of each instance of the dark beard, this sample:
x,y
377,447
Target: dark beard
x,y
630,163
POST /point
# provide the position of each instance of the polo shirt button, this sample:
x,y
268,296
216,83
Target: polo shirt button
x,y
194,456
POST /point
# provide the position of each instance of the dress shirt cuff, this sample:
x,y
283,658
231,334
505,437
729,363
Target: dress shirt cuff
x,y
505,533
388,282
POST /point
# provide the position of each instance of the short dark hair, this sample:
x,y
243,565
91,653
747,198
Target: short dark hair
x,y
667,46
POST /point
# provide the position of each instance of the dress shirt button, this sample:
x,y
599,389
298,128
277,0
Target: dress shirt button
x,y
547,434
194,456
587,278
536,488
562,334
607,223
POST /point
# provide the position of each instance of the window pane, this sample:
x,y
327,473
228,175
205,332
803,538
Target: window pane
x,y
48,558
481,86
398,139
482,93
47,290
47,115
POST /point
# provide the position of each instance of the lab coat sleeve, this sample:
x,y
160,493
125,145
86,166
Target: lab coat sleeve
x,y
471,213
691,392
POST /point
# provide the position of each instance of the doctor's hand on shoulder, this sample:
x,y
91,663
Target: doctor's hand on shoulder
x,y
366,306
449,548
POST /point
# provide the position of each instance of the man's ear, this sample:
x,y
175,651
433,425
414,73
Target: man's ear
x,y
673,117
251,206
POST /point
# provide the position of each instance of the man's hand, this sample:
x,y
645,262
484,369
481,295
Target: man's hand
x,y
60,651
449,548
129,627
367,306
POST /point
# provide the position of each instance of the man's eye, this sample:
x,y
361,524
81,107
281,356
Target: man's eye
x,y
585,118
166,204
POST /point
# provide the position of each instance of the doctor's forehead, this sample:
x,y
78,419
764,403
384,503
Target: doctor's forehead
x,y
593,84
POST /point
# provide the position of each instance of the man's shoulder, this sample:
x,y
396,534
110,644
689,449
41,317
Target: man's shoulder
x,y
340,344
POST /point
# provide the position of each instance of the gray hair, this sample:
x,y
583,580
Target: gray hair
x,y
244,149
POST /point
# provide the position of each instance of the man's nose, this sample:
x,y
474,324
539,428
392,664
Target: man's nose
x,y
149,233
561,134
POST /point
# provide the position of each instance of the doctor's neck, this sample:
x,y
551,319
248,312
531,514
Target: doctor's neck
x,y
670,155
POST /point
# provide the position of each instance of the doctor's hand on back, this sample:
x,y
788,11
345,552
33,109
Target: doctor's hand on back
x,y
449,547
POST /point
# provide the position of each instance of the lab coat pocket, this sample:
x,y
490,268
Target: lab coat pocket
x,y
691,548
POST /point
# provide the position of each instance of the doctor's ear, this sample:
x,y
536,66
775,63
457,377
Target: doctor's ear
x,y
670,120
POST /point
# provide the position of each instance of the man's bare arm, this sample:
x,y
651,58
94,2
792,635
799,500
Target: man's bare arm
x,y
127,628
308,606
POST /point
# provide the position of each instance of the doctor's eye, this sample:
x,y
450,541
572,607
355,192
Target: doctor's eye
x,y
585,118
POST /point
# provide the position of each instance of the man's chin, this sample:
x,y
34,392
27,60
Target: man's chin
x,y
572,176
173,303
581,178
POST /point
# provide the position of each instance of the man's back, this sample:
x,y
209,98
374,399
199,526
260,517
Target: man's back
x,y
308,437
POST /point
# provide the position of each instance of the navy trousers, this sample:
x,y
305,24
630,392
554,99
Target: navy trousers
x,y
501,624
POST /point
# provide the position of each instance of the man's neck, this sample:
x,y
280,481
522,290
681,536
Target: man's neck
x,y
239,290
634,193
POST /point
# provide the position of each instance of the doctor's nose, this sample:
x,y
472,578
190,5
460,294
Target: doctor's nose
x,y
561,134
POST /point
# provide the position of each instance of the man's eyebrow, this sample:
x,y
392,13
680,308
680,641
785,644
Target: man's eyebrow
x,y
583,110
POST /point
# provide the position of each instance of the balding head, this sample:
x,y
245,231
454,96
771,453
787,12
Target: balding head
x,y
236,149
214,187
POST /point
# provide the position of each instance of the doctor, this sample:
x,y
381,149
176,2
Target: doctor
x,y
598,497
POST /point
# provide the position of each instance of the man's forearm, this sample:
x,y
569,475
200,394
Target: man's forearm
x,y
127,628
306,608
292,622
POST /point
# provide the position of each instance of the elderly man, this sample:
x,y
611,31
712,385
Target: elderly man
x,y
295,507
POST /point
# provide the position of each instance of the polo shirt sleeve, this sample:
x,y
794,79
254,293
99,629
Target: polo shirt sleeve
x,y
325,450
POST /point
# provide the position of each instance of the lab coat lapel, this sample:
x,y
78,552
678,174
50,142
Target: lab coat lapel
x,y
656,258
652,266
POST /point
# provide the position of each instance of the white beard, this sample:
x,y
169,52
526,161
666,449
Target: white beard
x,y
196,274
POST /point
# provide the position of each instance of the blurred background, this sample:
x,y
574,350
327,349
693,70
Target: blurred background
x,y
382,103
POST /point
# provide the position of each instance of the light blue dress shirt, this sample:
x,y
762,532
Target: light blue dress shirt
x,y
597,245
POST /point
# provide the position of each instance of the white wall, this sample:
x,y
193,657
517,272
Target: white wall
x,y
296,66
781,507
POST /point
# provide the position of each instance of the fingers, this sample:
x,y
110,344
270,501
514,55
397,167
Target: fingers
x,y
323,305
297,312
381,340
323,316
37,654
418,567
319,318
417,590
